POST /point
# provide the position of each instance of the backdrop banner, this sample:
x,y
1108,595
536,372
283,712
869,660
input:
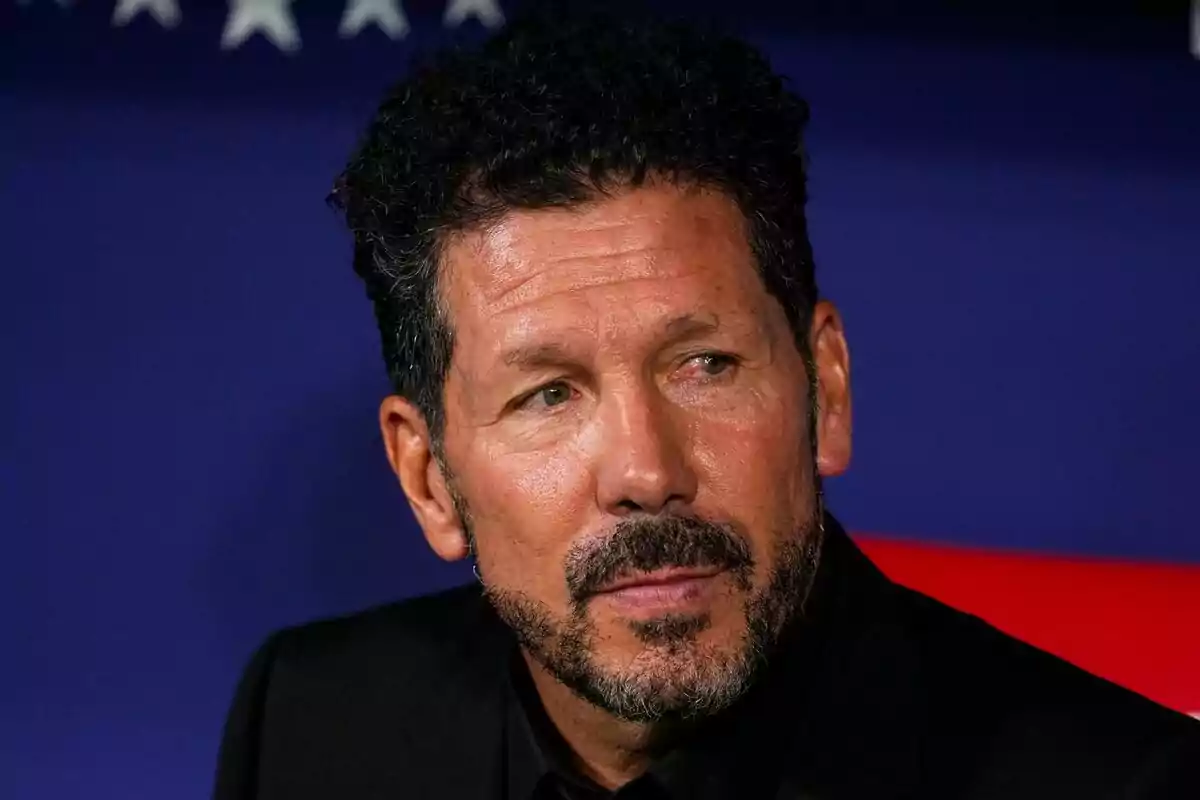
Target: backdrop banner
x,y
1007,215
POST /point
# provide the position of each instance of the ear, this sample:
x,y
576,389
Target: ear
x,y
831,357
410,452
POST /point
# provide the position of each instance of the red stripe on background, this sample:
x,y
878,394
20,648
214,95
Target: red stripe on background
x,y
1133,623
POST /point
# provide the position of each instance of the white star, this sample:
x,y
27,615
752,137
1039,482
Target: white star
x,y
387,14
165,11
272,18
486,11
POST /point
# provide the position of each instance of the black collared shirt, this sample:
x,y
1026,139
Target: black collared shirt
x,y
538,760
735,755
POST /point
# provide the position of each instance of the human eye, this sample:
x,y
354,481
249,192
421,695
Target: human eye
x,y
546,396
712,365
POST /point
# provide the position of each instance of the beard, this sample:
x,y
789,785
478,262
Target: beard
x,y
676,677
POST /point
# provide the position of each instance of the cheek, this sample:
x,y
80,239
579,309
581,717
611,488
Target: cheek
x,y
527,508
754,465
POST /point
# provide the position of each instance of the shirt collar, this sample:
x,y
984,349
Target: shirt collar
x,y
736,754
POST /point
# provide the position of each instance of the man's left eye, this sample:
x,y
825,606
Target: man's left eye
x,y
714,363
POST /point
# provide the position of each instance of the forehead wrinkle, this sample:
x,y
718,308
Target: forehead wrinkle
x,y
525,248
531,261
529,284
593,322
616,335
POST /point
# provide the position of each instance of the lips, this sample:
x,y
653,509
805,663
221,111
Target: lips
x,y
659,577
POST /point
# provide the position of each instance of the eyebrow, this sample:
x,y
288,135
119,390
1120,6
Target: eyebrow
x,y
690,326
538,355
555,354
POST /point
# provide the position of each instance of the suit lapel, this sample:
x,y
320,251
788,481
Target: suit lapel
x,y
460,754
859,717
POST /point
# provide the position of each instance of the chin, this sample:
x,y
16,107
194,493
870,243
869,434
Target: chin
x,y
677,648
672,681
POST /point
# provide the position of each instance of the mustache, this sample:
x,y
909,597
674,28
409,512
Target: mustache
x,y
646,544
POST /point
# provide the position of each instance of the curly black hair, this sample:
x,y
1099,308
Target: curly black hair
x,y
556,110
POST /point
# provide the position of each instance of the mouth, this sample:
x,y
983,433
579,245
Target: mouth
x,y
658,578
664,591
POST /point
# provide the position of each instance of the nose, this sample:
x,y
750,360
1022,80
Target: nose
x,y
643,465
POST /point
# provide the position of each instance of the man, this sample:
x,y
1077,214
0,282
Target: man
x,y
618,392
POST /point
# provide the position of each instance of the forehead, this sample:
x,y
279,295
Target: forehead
x,y
658,251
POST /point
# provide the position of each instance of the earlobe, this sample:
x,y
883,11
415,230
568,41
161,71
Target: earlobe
x,y
831,357
409,450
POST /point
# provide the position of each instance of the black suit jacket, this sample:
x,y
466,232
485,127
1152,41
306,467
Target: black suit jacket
x,y
902,697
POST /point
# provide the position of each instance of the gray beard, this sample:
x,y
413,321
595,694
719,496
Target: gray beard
x,y
676,679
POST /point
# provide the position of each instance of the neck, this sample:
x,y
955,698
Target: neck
x,y
607,750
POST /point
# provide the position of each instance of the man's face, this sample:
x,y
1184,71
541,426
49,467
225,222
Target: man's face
x,y
628,434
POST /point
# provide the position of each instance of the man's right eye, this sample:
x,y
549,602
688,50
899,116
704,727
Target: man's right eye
x,y
548,396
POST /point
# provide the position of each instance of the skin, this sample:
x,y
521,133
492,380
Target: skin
x,y
617,359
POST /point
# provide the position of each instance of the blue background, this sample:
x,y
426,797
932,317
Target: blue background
x,y
1007,211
